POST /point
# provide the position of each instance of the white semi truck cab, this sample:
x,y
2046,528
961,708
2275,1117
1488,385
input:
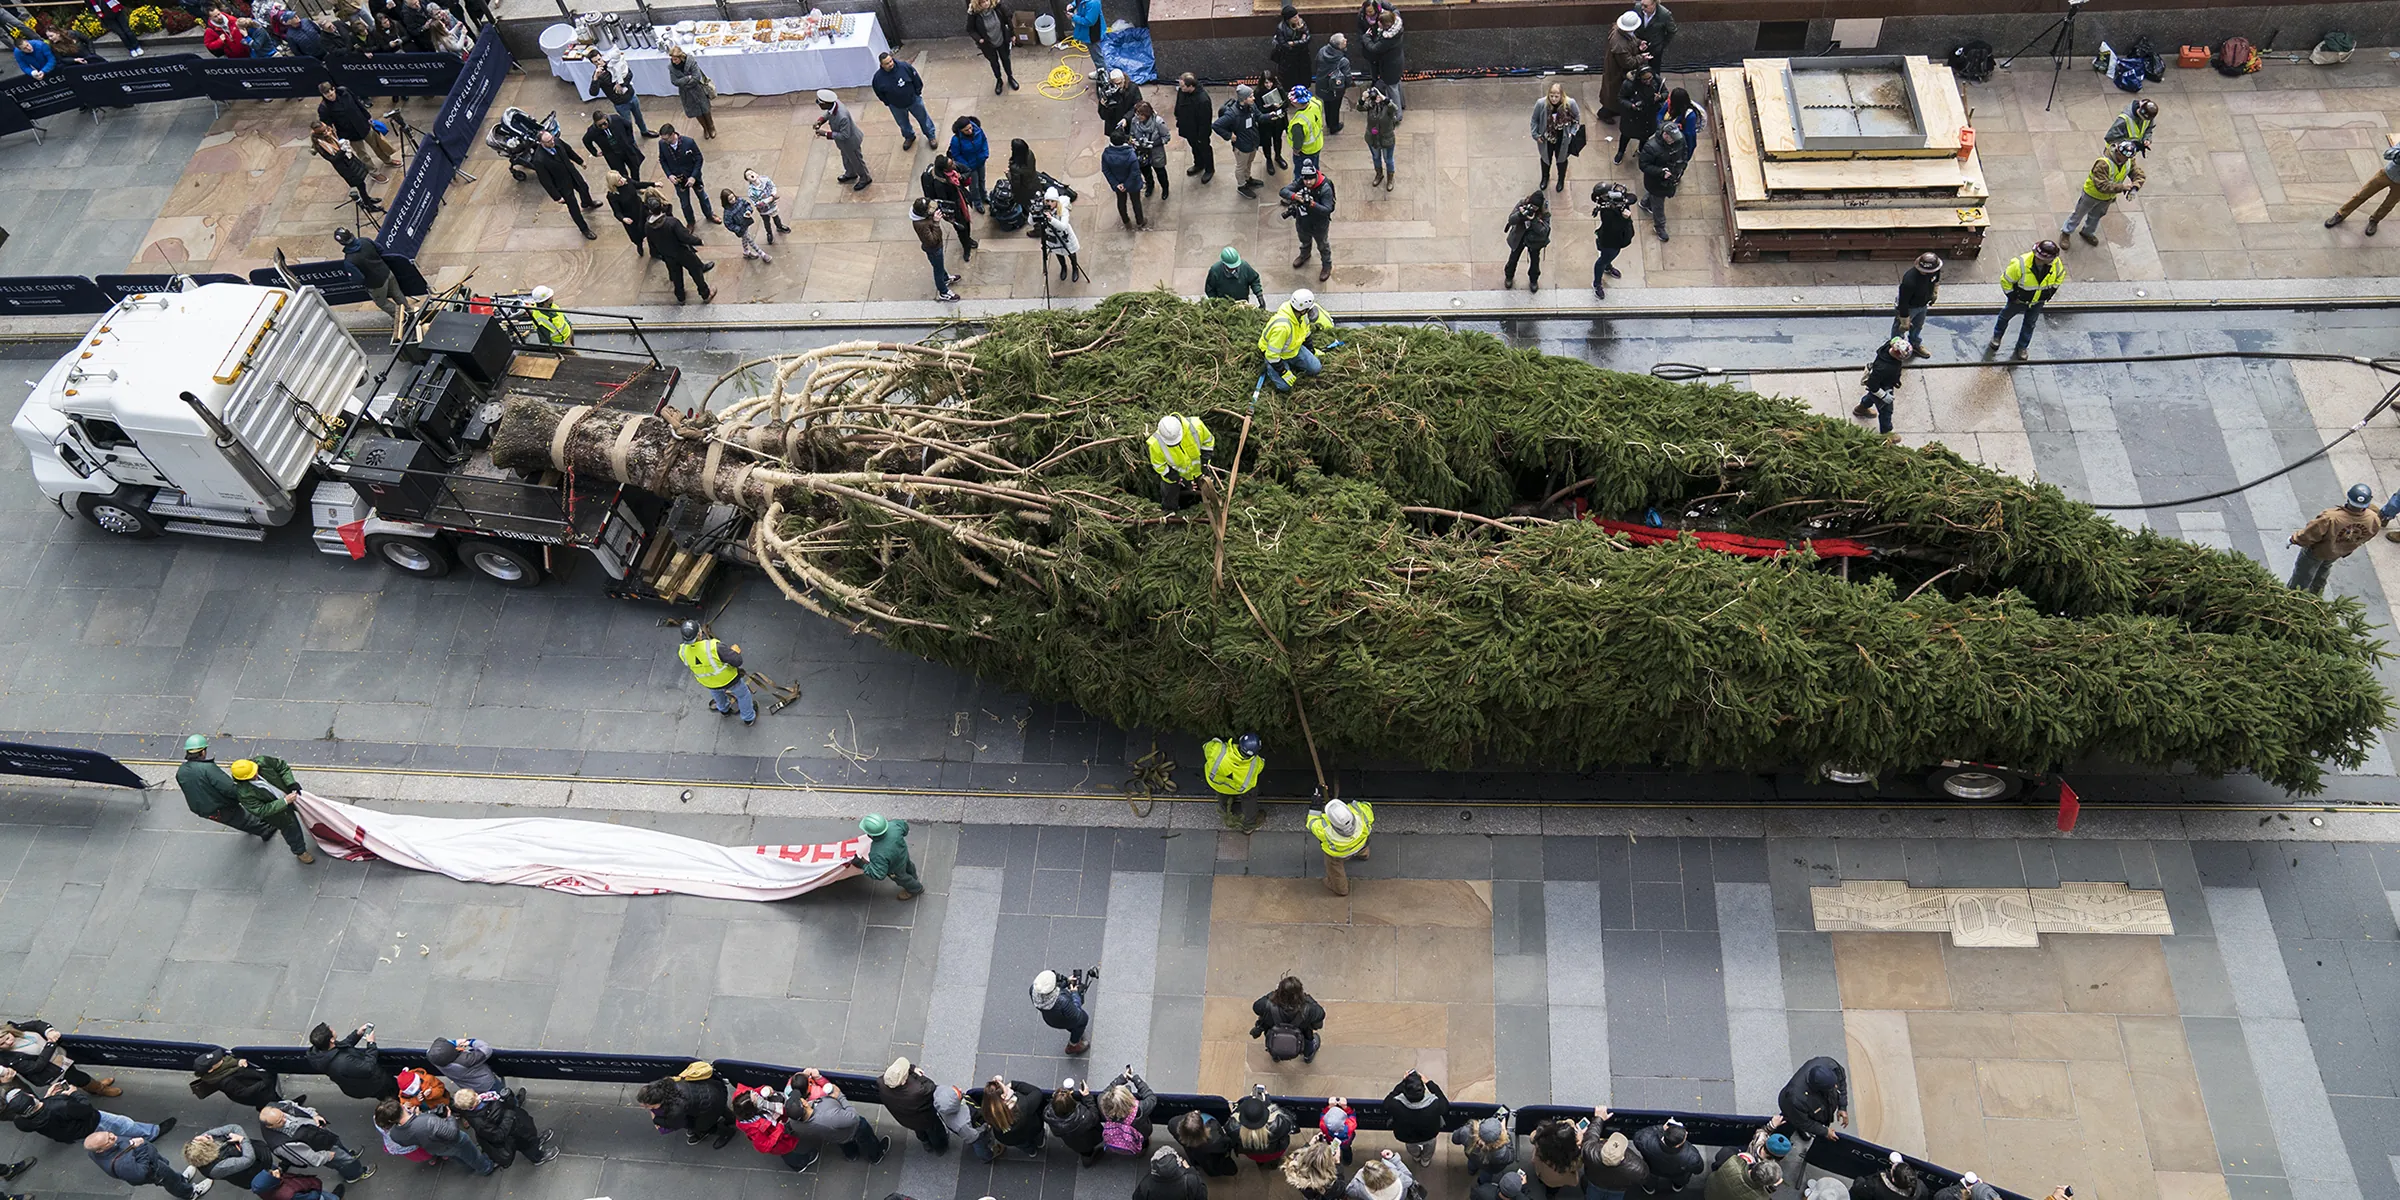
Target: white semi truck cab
x,y
192,412
209,410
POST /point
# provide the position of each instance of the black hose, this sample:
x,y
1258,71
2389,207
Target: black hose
x,y
1686,372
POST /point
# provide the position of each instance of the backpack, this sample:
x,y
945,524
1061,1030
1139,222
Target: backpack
x,y
1285,1042
1972,61
2236,57
1120,1137
696,1072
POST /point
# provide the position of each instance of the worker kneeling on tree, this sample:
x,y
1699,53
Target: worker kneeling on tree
x,y
1285,340
1341,831
1179,451
556,331
1232,769
718,667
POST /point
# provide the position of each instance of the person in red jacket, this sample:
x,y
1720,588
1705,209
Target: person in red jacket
x,y
224,37
758,1113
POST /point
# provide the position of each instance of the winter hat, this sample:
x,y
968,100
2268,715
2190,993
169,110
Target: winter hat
x,y
1511,1185
896,1074
18,1103
1251,1109
1243,91
1778,1145
1612,1151
442,1052
1491,1131
412,1084
1045,985
1165,1162
1825,1077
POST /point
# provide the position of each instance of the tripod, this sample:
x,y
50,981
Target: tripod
x,y
410,136
2062,48
362,206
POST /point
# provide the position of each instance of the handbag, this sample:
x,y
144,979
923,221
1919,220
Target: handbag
x,y
1575,143
708,85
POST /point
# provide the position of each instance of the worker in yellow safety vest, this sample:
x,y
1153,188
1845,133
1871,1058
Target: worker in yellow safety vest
x,y
2112,175
1341,830
1307,125
1232,770
718,667
1285,340
1179,450
2030,279
556,331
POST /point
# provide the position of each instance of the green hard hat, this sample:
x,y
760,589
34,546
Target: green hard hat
x,y
198,741
873,825
1230,257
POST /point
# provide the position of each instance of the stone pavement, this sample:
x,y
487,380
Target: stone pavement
x,y
2249,1053
2243,172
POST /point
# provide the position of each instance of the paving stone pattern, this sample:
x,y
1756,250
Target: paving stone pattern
x,y
2246,1055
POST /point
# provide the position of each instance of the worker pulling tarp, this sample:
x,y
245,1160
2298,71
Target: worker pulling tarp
x,y
586,858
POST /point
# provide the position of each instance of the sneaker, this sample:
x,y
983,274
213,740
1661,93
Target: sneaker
x,y
137,54
365,1175
948,297
543,1156
190,1173
548,1139
201,1188
19,1167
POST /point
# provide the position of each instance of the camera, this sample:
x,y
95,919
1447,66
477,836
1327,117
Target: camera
x,y
1611,196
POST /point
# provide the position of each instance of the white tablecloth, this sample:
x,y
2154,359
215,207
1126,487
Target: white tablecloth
x,y
843,62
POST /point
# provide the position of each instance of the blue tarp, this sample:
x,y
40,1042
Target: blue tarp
x,y
1128,50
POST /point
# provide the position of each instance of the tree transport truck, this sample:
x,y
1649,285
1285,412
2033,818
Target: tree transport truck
x,y
211,411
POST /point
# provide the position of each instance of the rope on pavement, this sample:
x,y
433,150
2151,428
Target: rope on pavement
x,y
1067,81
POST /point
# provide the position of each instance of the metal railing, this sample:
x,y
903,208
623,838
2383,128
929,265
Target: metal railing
x,y
1850,1156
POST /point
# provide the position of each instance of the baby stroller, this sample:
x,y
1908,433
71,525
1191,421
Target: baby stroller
x,y
515,135
1004,208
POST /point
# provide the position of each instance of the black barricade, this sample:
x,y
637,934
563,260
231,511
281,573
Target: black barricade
x,y
397,74
136,81
284,77
12,117
412,281
459,123
293,1060
408,217
89,1051
61,762
50,296
40,98
118,287
340,284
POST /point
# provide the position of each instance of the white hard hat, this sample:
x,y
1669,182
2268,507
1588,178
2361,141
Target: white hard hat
x,y
1338,815
542,294
1170,430
1303,298
1630,21
1046,984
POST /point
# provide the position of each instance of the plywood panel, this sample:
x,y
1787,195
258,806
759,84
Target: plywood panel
x,y
1939,106
1738,130
1776,135
1884,174
1780,220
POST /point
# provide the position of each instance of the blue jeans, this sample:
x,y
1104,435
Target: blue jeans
x,y
631,110
1600,265
2017,304
917,110
1911,321
345,1164
1879,403
1305,363
1381,156
473,1156
2308,575
1071,1001
941,276
733,697
127,1127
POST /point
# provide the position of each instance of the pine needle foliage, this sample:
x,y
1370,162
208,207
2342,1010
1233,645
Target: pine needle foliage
x,y
2020,627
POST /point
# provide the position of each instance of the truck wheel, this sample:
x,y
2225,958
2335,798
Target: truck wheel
x,y
502,563
1975,781
120,512
424,558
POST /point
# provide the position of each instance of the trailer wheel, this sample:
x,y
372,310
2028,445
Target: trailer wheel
x,y
424,558
502,563
119,512
1975,781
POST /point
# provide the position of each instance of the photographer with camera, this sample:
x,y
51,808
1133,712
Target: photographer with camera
x,y
1528,232
1308,205
1613,204
1383,125
1059,1000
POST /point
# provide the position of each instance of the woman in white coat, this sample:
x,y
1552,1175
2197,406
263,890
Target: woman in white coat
x,y
1058,235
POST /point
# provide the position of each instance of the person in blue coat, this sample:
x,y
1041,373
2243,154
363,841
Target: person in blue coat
x,y
1087,22
34,57
902,90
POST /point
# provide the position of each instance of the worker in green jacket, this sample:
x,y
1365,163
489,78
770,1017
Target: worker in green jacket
x,y
887,856
1232,769
209,792
251,780
1341,831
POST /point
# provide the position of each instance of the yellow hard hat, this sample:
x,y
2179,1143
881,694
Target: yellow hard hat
x,y
243,769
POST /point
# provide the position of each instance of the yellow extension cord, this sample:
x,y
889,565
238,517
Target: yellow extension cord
x,y
1067,81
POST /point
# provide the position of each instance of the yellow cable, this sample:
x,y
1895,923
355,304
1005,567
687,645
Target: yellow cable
x,y
1067,81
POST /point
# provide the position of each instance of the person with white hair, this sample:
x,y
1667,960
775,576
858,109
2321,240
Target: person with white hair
x,y
1341,830
1059,999
1180,450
